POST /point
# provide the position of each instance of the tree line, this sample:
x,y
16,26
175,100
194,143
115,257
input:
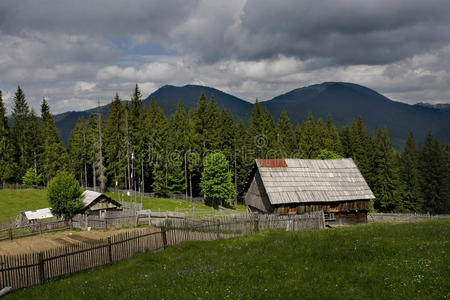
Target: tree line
x,y
137,147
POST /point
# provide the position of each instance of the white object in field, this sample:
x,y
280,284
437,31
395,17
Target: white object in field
x,y
89,228
43,213
5,291
128,193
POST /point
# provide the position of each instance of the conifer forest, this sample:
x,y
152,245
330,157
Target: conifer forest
x,y
140,148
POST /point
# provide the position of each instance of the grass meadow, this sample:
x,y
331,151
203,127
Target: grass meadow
x,y
376,261
12,202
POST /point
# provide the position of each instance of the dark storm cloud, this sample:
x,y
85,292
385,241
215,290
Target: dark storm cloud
x,y
75,52
102,17
348,32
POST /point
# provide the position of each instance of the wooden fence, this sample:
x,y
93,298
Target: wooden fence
x,y
396,218
15,231
26,270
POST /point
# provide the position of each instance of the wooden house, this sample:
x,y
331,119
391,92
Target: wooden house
x,y
296,186
98,204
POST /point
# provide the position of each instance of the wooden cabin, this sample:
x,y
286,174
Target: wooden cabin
x,y
296,186
98,204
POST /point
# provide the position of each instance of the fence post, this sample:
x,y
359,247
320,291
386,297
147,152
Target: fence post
x,y
105,223
41,268
256,223
164,236
10,235
40,229
218,229
109,250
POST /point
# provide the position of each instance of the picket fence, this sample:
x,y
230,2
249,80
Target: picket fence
x,y
24,270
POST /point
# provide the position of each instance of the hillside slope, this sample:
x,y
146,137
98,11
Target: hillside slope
x,y
346,101
343,101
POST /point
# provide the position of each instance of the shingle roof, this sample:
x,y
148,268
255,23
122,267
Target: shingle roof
x,y
89,196
309,180
43,213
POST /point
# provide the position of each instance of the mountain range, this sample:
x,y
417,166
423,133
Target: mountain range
x,y
343,101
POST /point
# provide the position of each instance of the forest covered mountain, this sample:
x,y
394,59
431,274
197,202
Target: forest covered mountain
x,y
344,102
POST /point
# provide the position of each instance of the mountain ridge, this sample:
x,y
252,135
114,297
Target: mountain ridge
x,y
343,101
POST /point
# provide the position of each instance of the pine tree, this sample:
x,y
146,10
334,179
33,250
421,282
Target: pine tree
x,y
79,151
285,136
386,176
178,143
432,170
114,140
99,163
332,140
212,125
409,177
157,133
92,147
346,141
309,141
137,136
244,161
262,132
20,132
53,157
8,168
363,147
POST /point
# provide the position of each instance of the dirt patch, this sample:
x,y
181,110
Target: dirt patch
x,y
55,239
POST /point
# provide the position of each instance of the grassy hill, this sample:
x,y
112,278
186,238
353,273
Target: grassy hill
x,y
377,261
12,202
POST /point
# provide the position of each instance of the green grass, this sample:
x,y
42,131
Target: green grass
x,y
12,202
165,204
377,261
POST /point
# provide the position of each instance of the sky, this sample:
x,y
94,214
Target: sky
x,y
77,53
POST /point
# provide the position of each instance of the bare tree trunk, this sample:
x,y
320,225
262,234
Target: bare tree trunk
x,y
101,167
185,176
85,175
127,142
142,175
190,183
235,178
94,179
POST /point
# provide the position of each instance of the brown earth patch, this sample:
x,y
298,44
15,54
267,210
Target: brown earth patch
x,y
56,239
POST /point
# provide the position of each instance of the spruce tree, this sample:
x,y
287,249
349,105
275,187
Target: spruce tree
x,y
363,148
432,170
53,157
157,131
332,141
346,141
20,132
212,125
309,141
79,151
262,132
386,175
114,140
285,135
178,144
409,177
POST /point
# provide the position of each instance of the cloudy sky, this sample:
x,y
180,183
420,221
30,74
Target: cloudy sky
x,y
78,52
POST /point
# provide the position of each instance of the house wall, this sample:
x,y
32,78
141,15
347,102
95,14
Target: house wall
x,y
345,212
256,196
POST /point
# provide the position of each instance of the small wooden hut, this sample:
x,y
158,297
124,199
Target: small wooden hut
x,y
296,186
98,204
35,216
